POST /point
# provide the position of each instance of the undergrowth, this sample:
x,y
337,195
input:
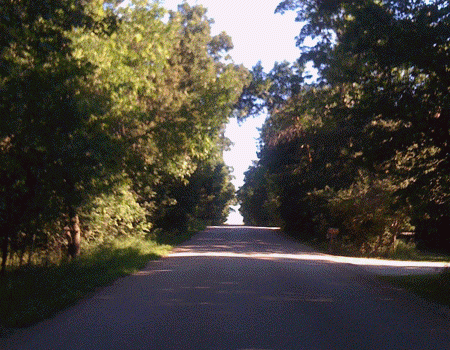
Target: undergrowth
x,y
401,251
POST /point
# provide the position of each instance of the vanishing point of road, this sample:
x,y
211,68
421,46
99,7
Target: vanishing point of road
x,y
245,288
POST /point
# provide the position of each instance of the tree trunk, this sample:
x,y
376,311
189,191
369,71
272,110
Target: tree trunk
x,y
4,253
74,233
31,249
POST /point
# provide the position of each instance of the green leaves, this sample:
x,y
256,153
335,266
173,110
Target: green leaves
x,y
105,107
378,108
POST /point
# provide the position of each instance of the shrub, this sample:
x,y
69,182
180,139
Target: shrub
x,y
366,215
115,214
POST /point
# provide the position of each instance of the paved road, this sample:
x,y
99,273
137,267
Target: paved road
x,y
244,288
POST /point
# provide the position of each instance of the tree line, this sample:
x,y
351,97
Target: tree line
x,y
112,122
365,147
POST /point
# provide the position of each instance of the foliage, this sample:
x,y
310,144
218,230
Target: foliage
x,y
50,146
367,217
205,198
258,205
379,108
105,108
115,214
171,101
170,88
269,90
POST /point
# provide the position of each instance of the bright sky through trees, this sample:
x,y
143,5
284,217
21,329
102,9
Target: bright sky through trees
x,y
258,35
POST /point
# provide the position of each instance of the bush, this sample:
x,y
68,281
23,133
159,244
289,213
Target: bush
x,y
366,215
114,214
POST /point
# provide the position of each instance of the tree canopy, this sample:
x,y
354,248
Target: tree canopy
x,y
373,129
106,109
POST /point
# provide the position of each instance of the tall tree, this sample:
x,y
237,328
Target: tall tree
x,y
48,139
394,54
380,104
173,88
98,99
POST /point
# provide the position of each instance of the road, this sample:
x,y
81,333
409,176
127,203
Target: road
x,y
244,288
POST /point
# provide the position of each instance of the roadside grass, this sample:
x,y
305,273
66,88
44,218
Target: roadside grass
x,y
402,251
434,287
409,251
31,294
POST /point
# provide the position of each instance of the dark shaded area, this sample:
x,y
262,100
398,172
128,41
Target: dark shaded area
x,y
34,293
432,287
364,148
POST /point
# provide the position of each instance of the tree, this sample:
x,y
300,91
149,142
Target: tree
x,y
49,142
378,107
103,100
393,58
203,199
259,205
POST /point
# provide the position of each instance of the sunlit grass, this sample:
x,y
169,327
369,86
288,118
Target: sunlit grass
x,y
33,293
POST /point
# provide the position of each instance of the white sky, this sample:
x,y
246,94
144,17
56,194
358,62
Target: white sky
x,y
258,35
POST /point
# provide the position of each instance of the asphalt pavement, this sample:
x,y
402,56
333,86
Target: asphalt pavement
x,y
247,288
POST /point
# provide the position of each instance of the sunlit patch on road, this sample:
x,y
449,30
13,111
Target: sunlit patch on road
x,y
377,265
233,242
149,272
244,227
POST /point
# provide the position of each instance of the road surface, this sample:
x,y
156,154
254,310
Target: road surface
x,y
244,288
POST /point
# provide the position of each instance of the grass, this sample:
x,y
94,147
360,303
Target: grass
x,y
409,251
402,251
31,294
432,287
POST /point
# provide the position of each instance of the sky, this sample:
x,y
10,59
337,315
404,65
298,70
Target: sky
x,y
258,34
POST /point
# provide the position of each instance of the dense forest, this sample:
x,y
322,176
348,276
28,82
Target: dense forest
x,y
112,122
364,147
